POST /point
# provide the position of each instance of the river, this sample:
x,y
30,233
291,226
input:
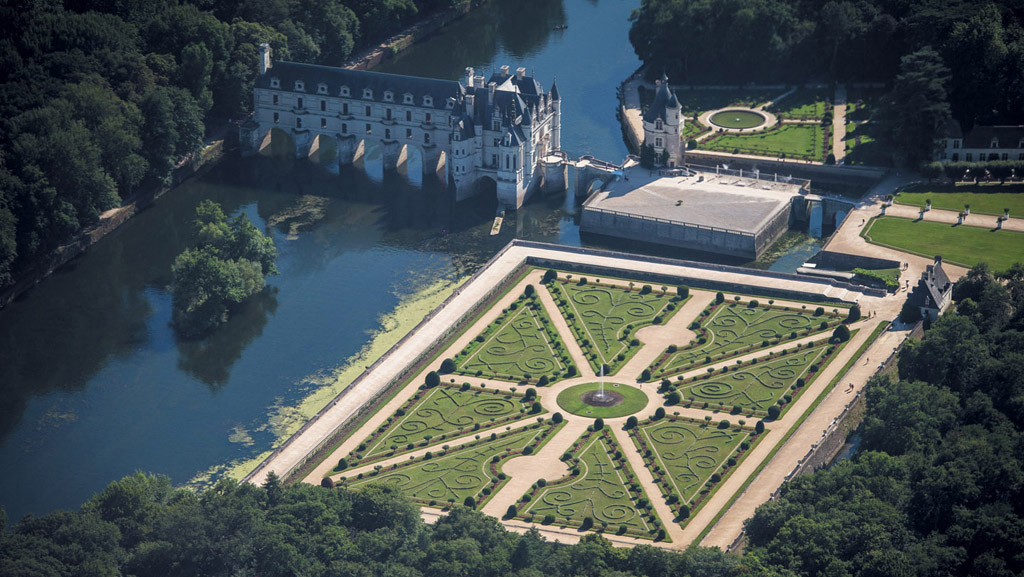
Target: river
x,y
94,384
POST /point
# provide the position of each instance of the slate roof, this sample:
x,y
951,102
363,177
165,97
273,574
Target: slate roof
x,y
379,82
932,287
981,136
663,98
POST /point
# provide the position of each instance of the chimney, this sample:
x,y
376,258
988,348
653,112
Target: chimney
x,y
265,63
478,81
520,73
470,100
938,259
504,70
490,92
469,76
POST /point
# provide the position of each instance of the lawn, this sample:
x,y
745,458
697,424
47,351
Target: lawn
x,y
754,386
604,318
469,471
602,487
863,146
633,400
804,104
689,458
520,345
735,328
431,416
861,103
984,199
963,245
801,141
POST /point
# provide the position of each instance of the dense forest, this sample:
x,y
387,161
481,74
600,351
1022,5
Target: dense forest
x,y
99,99
963,58
936,490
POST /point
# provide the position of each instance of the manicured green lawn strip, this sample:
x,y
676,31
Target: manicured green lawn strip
x,y
756,386
467,471
804,104
981,201
963,245
444,412
521,341
890,277
806,141
692,129
600,316
724,342
879,328
634,400
605,488
659,457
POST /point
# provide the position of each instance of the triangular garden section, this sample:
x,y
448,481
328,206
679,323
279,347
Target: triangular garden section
x,y
601,492
520,345
604,318
729,329
689,458
434,415
471,471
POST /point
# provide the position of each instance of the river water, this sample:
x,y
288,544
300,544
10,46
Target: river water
x,y
93,383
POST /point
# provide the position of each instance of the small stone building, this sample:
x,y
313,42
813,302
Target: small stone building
x,y
933,293
982,143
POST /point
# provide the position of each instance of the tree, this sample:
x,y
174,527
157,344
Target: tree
x,y
647,156
917,109
841,334
682,291
549,275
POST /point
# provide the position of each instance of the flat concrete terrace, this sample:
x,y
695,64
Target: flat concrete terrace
x,y
738,216
525,470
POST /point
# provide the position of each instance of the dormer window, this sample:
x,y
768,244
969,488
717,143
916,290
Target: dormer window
x,y
275,83
451,104
407,98
367,93
345,91
428,100
389,96
300,86
994,143
321,88
657,124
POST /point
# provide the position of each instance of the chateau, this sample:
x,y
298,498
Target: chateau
x,y
663,125
499,128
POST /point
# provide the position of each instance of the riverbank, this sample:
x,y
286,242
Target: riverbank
x,y
108,223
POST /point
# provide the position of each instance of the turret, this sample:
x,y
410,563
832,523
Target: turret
x,y
556,113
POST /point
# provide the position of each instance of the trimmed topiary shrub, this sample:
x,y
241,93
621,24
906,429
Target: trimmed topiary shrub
x,y
854,315
673,398
536,408
719,298
549,275
447,366
819,311
631,422
598,424
327,483
659,413
645,375
724,424
841,334
470,502
511,512
682,291
432,380
556,418
773,412
528,291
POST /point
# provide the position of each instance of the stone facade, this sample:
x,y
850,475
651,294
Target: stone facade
x,y
500,129
982,143
663,125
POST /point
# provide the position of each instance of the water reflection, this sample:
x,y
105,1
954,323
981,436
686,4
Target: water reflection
x,y
210,359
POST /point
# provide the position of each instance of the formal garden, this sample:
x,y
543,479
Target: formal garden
x,y
521,345
762,387
792,141
727,329
448,443
601,492
604,318
965,245
467,475
689,459
436,414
